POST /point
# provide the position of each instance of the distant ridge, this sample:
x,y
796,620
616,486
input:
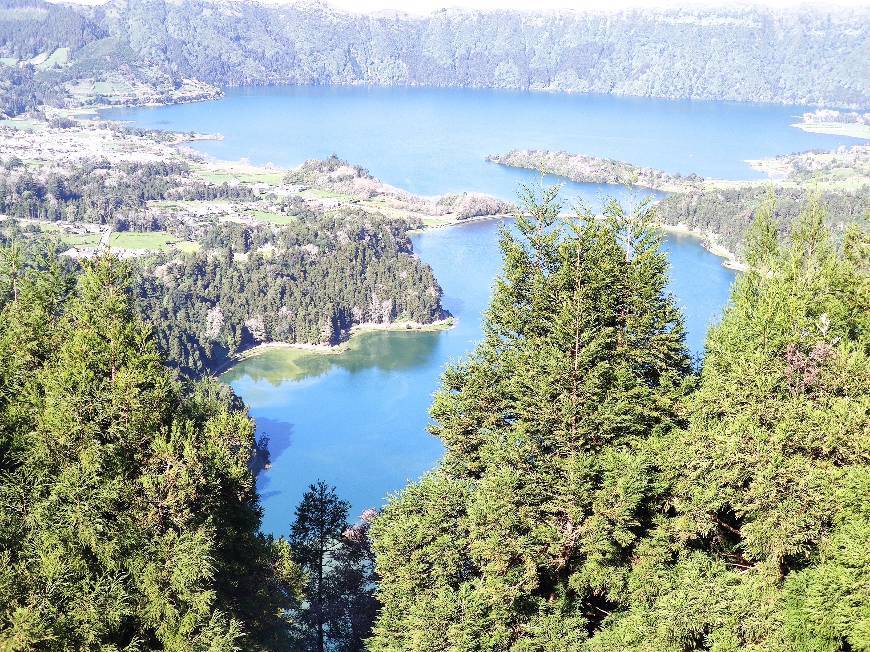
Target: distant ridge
x,y
802,56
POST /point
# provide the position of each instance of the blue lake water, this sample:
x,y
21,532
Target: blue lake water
x,y
358,420
434,141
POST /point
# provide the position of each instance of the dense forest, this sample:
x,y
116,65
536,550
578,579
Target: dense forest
x,y
598,491
582,168
130,519
749,54
130,516
102,192
309,282
728,214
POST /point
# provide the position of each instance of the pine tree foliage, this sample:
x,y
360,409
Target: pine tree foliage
x,y
523,538
336,561
129,517
768,546
595,495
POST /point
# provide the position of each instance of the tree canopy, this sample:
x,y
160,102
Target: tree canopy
x,y
597,493
336,562
129,518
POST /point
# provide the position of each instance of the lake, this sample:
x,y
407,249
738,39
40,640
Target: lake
x,y
358,420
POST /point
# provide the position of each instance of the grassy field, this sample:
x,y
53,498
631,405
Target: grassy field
x,y
151,240
80,240
271,218
853,130
839,178
187,247
438,220
111,88
380,206
26,125
57,59
316,193
226,176
198,206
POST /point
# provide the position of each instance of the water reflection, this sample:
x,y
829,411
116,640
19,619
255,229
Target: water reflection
x,y
385,351
279,436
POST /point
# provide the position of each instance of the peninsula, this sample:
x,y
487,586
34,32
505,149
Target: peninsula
x,y
839,123
207,237
583,168
719,211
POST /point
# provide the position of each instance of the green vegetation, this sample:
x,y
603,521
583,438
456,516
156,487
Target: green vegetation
x,y
272,218
57,59
81,239
102,192
597,494
96,191
187,247
337,562
153,240
228,176
582,168
18,123
728,213
148,48
130,518
437,221
219,287
308,282
720,210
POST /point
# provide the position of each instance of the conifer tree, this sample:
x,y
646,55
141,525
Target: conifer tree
x,y
767,547
130,518
523,538
334,557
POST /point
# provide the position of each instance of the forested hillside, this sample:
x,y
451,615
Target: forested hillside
x,y
301,275
308,283
806,56
597,494
741,54
305,283
725,216
130,515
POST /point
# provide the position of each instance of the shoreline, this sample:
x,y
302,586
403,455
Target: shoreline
x,y
596,170
848,129
336,349
729,258
460,222
94,109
